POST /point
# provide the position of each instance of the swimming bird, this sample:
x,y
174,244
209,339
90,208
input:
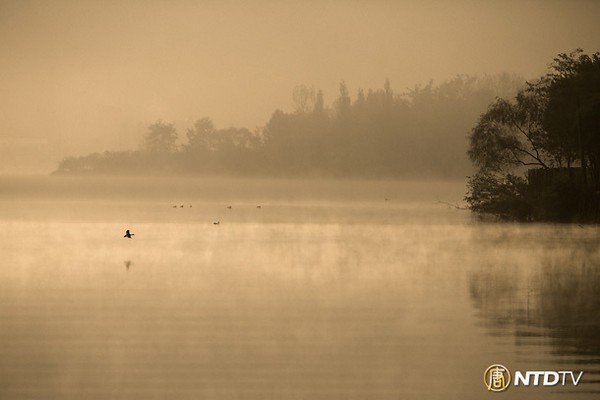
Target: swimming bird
x,y
128,234
216,222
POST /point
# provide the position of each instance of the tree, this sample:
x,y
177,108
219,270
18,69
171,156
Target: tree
x,y
342,105
161,138
502,196
552,124
304,99
201,135
573,107
319,108
510,134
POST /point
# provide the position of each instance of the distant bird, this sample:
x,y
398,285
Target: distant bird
x,y
128,234
229,207
182,206
257,206
216,222
174,206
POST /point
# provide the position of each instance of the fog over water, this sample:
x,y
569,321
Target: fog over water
x,y
329,290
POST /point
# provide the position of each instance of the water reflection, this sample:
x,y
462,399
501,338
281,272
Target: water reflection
x,y
569,296
128,264
553,305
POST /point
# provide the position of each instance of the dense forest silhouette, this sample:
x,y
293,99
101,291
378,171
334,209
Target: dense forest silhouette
x,y
378,134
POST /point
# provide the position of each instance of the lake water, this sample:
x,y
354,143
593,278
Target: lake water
x,y
329,290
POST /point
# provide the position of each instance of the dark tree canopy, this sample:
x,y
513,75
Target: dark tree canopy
x,y
573,107
510,134
552,124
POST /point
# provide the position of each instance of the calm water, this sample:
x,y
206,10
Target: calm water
x,y
347,290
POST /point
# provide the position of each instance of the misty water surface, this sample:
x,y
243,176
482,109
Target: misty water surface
x,y
329,290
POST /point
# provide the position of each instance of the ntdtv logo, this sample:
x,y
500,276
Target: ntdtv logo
x,y
547,378
497,378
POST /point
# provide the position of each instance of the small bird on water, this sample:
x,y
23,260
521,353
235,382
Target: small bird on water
x,y
128,234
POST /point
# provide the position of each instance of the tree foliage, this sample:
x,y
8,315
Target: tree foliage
x,y
505,197
510,134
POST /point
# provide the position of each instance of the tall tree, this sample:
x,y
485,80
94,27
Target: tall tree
x,y
573,107
342,105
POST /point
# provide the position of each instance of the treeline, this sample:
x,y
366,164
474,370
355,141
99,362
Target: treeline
x,y
378,133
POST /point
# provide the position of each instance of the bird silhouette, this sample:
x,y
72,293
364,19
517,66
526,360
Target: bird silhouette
x,y
128,234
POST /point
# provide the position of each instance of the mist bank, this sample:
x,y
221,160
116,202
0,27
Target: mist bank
x,y
21,191
375,134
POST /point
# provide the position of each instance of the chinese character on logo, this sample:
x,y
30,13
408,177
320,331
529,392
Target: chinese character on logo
x,y
496,378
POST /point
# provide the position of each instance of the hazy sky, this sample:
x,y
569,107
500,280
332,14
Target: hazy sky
x,y
82,76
